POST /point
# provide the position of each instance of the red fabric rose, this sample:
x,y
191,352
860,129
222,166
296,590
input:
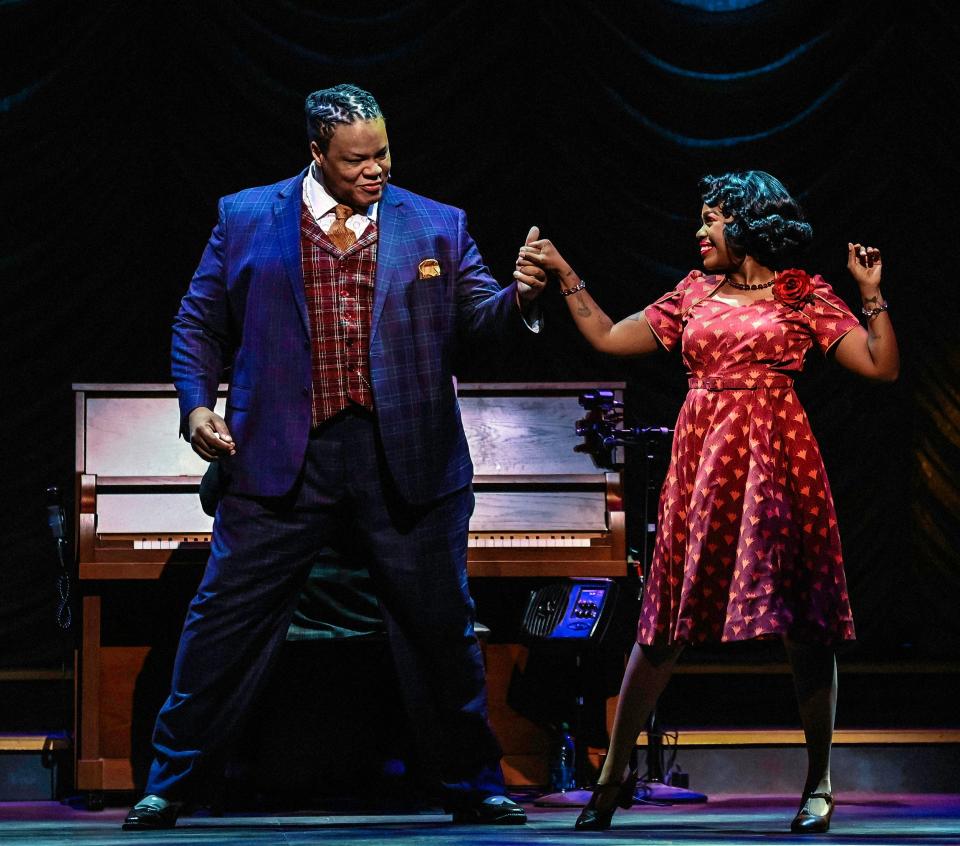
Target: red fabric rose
x,y
793,287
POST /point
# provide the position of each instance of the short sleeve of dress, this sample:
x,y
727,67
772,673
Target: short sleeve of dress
x,y
830,316
665,315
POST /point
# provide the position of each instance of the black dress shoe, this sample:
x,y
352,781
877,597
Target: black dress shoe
x,y
595,818
151,813
806,822
494,810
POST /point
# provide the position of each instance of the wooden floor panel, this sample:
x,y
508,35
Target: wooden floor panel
x,y
903,818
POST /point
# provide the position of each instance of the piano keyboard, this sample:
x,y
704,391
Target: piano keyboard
x,y
490,539
481,540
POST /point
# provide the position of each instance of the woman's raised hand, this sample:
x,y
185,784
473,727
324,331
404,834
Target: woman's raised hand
x,y
865,265
871,352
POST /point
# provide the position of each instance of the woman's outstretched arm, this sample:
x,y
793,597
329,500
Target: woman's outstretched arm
x,y
870,352
631,336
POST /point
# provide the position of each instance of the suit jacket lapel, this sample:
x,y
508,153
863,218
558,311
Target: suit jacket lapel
x,y
389,229
286,210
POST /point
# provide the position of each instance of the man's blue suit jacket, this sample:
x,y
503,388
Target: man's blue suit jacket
x,y
245,309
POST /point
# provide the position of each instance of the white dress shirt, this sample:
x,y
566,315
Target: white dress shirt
x,y
321,205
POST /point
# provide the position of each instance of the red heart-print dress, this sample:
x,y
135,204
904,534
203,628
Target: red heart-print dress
x,y
747,543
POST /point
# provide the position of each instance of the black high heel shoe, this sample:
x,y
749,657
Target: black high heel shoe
x,y
806,822
593,818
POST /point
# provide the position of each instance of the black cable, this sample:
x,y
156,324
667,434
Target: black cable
x,y
56,522
670,739
64,611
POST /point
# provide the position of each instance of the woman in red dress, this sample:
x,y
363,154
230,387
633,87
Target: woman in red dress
x,y
747,543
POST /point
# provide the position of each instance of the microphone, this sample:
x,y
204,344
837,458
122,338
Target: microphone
x,y
56,521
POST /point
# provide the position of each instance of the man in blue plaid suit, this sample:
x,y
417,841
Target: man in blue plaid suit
x,y
338,303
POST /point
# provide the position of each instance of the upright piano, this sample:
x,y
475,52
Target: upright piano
x,y
542,509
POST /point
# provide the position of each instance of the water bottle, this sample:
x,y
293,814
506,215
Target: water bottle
x,y
563,762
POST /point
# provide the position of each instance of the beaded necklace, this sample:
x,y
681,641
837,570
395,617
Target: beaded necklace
x,y
742,286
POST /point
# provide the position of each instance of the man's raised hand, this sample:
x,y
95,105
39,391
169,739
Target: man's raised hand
x,y
531,279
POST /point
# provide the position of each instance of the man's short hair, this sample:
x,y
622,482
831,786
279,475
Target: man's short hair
x,y
330,107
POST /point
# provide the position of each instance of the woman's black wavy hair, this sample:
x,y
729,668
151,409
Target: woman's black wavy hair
x,y
767,224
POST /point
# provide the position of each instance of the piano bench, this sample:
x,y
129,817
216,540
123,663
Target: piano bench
x,y
32,766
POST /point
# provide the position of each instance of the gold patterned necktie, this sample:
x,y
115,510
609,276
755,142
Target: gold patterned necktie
x,y
342,237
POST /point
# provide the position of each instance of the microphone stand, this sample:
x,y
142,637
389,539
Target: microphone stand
x,y
603,433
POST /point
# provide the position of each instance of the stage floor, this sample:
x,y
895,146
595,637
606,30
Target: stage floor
x,y
862,819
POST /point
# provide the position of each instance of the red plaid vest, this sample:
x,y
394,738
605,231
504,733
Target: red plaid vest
x,y
339,293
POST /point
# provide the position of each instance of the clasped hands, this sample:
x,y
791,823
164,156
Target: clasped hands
x,y
538,257
531,277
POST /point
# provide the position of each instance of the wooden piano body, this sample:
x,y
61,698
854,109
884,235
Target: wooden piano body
x,y
542,510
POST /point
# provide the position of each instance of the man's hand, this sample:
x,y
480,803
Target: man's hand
x,y
209,435
531,280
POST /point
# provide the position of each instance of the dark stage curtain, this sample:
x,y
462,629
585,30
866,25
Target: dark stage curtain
x,y
123,123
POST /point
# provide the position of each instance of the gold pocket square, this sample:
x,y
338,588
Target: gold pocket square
x,y
428,268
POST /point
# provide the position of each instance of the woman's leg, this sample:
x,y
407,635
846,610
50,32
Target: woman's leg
x,y
815,679
648,671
